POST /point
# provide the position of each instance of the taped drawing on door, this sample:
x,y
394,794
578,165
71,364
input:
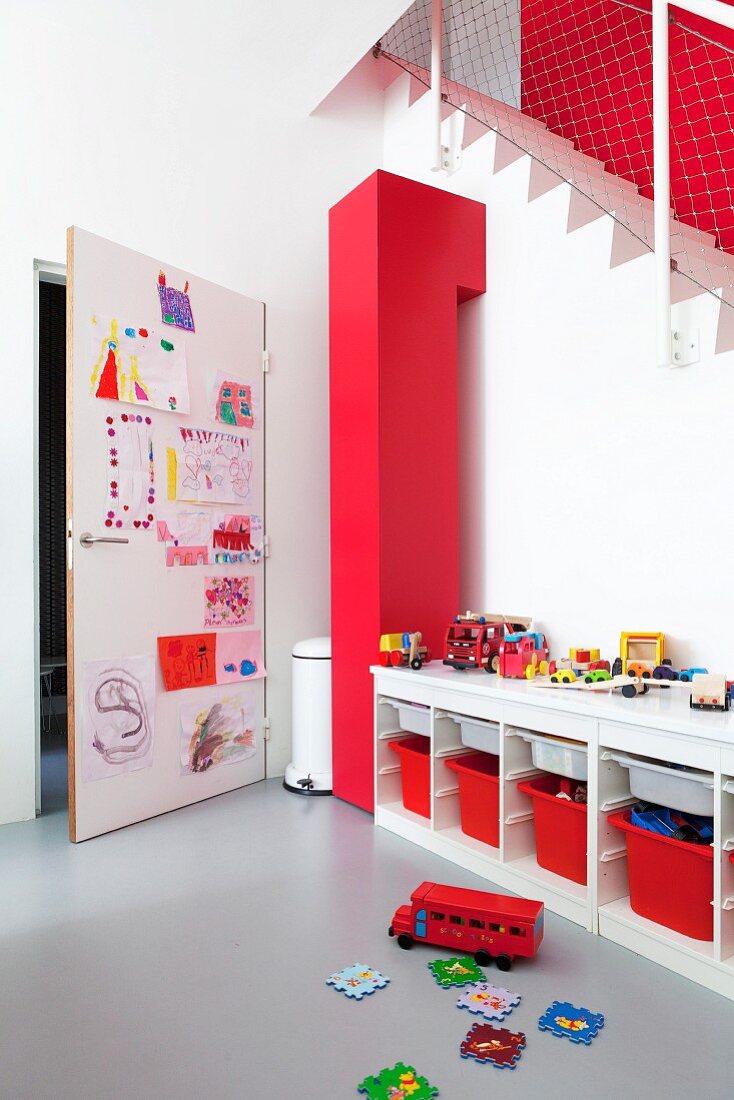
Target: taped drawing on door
x,y
118,713
187,660
238,538
135,364
188,537
217,732
239,656
209,467
232,401
229,601
130,472
175,305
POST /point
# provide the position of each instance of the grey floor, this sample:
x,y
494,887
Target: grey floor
x,y
186,957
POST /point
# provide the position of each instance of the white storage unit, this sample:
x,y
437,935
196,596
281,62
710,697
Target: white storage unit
x,y
412,717
613,736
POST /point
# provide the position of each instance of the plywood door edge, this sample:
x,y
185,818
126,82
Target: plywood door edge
x,y
70,533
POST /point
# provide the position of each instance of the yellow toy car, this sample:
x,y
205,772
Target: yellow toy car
x,y
563,676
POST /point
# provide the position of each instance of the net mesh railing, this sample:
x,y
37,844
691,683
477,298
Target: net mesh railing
x,y
569,82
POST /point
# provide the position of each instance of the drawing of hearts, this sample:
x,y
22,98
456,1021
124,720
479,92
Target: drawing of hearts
x,y
136,523
210,595
193,464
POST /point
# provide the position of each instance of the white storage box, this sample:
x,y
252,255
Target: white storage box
x,y
412,716
477,733
690,791
569,758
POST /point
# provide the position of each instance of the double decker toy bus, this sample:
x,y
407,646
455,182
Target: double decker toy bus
x,y
487,926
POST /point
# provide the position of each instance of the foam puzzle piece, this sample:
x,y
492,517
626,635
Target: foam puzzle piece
x,y
496,1046
452,973
488,1000
357,981
398,1083
577,1024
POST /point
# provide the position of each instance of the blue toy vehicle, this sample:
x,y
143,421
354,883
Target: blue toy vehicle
x,y
686,674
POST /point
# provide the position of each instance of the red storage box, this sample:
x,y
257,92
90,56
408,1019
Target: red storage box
x,y
415,773
479,795
560,827
671,882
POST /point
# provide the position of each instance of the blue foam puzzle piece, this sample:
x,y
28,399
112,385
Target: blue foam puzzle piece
x,y
357,981
489,1001
565,1020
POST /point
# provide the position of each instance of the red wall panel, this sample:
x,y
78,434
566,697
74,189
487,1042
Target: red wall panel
x,y
402,255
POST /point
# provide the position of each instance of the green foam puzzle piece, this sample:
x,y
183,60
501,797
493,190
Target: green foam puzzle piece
x,y
451,973
397,1083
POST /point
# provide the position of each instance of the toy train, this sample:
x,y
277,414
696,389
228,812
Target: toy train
x,y
473,922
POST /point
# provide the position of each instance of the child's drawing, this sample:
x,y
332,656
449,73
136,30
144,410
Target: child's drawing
x,y
209,467
217,732
119,707
134,364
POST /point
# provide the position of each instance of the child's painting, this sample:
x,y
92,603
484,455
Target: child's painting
x,y
130,474
209,467
229,601
217,732
118,699
239,656
187,660
187,536
135,364
233,402
175,305
238,538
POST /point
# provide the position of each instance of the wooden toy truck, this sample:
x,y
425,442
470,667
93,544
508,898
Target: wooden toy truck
x,y
473,640
403,650
640,654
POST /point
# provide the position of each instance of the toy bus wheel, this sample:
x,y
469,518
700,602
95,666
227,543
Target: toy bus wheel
x,y
405,941
482,958
504,962
416,663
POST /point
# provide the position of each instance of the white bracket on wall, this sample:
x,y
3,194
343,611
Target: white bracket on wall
x,y
266,729
266,546
685,347
452,140
266,362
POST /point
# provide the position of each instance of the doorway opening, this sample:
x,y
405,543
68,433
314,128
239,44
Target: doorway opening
x,y
51,756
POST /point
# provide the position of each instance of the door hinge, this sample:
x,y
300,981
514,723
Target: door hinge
x,y
266,546
266,729
266,362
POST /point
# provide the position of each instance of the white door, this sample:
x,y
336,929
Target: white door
x,y
164,505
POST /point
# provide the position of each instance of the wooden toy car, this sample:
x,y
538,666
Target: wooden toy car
x,y
579,661
563,676
523,655
597,676
403,650
686,674
709,692
470,922
665,671
644,651
473,640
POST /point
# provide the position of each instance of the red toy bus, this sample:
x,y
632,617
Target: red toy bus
x,y
487,926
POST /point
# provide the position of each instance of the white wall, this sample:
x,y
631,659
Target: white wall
x,y
180,129
597,489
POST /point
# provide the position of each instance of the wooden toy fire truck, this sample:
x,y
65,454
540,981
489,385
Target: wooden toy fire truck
x,y
523,655
403,650
472,922
473,640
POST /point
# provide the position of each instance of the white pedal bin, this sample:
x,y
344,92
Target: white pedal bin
x,y
310,770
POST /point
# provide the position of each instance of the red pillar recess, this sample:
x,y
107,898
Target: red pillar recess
x,y
402,255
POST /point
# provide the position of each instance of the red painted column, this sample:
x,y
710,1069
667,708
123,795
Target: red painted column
x,y
401,256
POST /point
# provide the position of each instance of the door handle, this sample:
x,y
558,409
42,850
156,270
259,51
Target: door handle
x,y
88,540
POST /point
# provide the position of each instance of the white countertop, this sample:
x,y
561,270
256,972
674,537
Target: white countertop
x,y
664,709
